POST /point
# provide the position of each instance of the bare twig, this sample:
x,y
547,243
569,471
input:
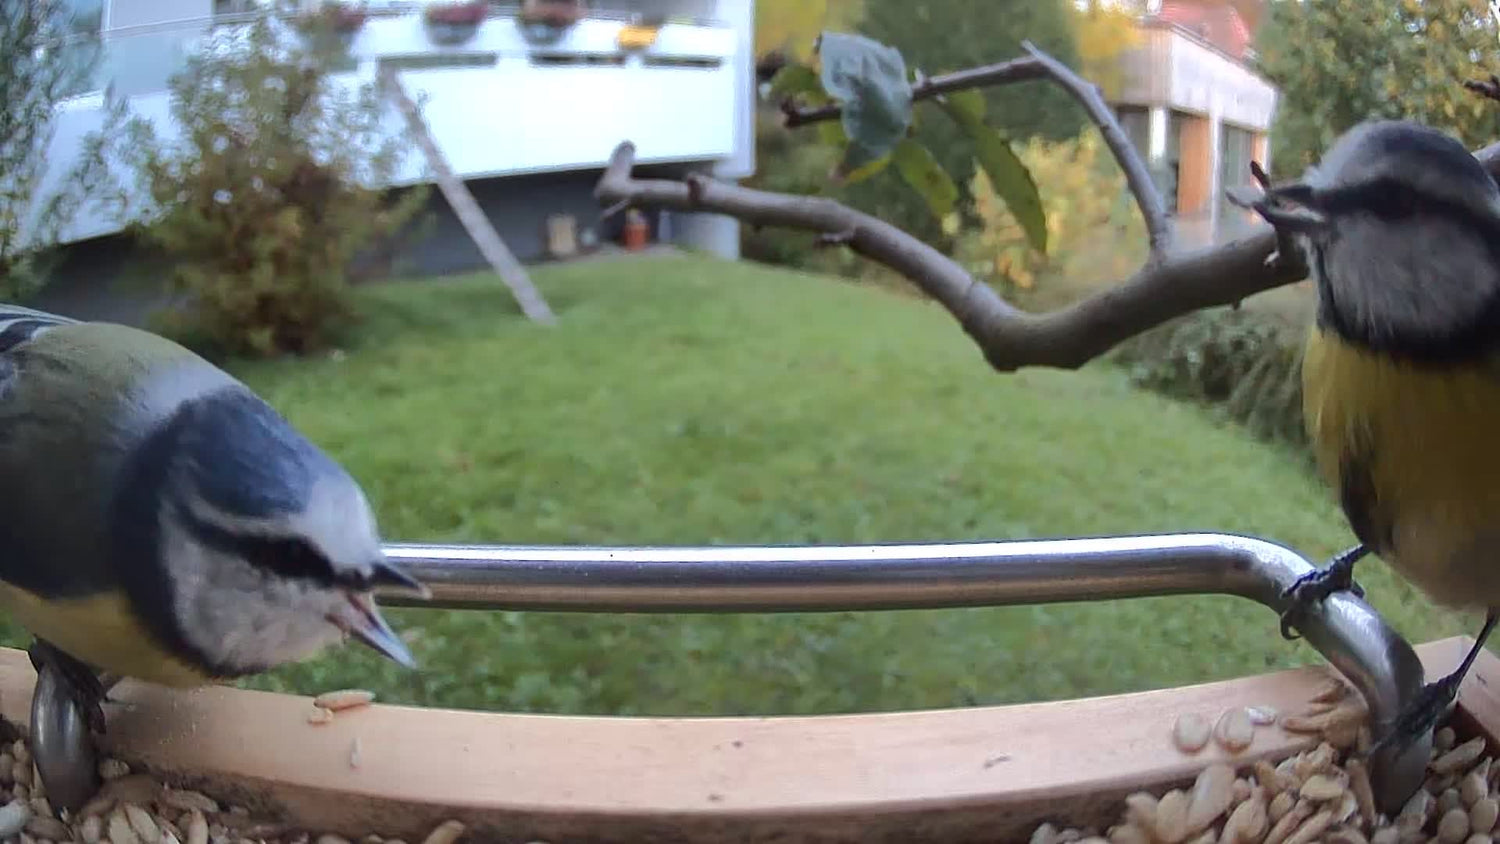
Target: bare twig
x,y
1039,65
617,208
1286,250
1485,87
1009,338
1153,209
843,238
1003,73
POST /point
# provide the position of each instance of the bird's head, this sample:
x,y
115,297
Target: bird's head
x,y
1400,225
268,549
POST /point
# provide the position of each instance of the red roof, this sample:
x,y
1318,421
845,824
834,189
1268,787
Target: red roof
x,y
1216,22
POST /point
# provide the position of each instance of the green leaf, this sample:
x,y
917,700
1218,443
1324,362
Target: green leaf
x,y
923,172
796,79
868,78
1010,178
851,171
969,101
831,133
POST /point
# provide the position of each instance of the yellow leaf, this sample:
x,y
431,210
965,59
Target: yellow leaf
x,y
950,223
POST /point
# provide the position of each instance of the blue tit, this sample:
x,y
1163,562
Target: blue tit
x,y
160,521
1400,228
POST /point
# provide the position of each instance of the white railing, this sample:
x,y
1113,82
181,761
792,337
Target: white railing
x,y
498,104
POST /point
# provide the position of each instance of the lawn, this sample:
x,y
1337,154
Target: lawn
x,y
686,400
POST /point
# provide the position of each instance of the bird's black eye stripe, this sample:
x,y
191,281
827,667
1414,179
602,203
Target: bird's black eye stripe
x,y
289,557
1389,199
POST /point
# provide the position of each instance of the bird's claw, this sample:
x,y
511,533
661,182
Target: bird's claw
x,y
1315,586
1425,711
86,688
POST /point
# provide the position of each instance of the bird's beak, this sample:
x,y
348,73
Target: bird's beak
x,y
370,628
390,574
1293,206
1288,207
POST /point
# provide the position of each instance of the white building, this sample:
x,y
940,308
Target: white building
x,y
527,121
1194,105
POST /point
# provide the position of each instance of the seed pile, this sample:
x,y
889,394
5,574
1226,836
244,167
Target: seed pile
x,y
134,808
1318,795
1334,713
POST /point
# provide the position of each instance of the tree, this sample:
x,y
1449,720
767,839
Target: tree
x,y
270,190
1104,31
1338,62
790,27
1170,283
936,36
50,53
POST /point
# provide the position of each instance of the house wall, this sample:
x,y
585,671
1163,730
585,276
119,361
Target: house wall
x,y
1197,101
106,278
120,14
503,106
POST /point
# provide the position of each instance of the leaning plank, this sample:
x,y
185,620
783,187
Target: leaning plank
x,y
469,214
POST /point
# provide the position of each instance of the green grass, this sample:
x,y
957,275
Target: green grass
x,y
685,400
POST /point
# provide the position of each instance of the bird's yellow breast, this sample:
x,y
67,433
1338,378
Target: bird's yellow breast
x,y
102,631
1431,439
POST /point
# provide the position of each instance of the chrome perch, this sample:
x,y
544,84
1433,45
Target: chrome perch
x,y
677,579
1348,633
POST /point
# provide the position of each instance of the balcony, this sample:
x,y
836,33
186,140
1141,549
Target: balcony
x,y
499,103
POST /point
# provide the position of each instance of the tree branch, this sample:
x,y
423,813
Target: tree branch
x,y
1039,65
1485,87
1004,73
1153,208
1010,338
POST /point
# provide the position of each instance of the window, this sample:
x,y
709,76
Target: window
x,y
1236,146
80,47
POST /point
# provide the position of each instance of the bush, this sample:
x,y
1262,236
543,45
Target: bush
x,y
263,202
1094,231
940,37
786,162
1244,361
50,53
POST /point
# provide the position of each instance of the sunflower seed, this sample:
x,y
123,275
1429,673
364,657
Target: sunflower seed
x,y
1234,731
1454,827
1484,814
1459,757
343,699
1172,816
446,832
1213,793
1191,732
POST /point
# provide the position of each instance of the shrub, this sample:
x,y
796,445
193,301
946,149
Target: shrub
x,y
789,162
263,200
1244,361
1094,231
50,53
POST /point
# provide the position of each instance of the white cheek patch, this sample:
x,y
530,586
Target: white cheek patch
x,y
237,615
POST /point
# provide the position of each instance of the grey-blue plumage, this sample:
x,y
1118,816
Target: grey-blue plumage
x,y
160,520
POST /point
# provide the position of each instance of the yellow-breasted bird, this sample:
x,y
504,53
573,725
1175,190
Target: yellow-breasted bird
x,y
160,521
1400,228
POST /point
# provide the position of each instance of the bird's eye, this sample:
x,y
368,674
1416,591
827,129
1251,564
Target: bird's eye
x,y
288,557
1395,201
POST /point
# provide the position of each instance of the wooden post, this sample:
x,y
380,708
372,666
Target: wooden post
x,y
469,214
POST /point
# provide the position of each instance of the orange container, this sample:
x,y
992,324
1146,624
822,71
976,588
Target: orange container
x,y
637,230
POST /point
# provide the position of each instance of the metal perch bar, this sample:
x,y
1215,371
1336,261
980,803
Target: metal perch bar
x,y
1348,633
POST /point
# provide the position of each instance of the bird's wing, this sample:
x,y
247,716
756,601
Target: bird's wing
x,y
55,432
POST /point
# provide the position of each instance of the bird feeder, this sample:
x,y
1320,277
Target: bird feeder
x,y
953,775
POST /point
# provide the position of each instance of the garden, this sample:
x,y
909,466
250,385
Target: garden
x,y
804,394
